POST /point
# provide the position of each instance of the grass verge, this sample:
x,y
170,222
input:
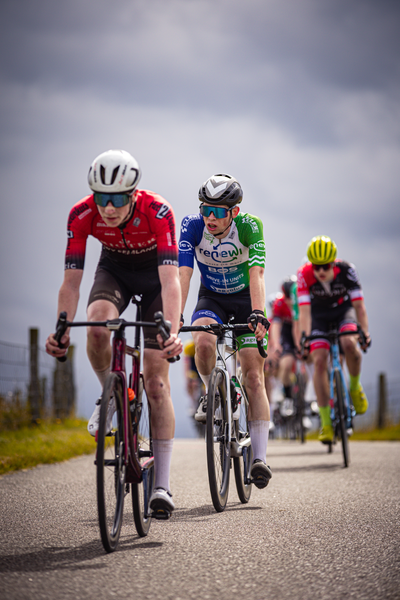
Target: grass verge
x,y
388,434
44,443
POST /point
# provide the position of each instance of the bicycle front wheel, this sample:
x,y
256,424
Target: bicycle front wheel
x,y
217,440
242,464
342,418
110,464
141,492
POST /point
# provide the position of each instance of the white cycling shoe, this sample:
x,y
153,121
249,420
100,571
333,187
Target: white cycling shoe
x,y
93,425
161,503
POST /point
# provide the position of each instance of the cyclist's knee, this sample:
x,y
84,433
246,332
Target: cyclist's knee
x,y
320,361
157,389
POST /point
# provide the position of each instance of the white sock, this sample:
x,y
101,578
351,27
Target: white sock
x,y
162,450
102,375
259,431
205,379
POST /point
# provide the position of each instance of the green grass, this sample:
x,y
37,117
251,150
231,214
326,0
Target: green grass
x,y
388,434
44,443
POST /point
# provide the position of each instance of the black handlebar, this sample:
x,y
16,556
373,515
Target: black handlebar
x,y
220,328
362,338
163,326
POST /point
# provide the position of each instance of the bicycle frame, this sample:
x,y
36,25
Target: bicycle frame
x,y
336,367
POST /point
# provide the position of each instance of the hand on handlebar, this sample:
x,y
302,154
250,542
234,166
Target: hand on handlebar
x,y
171,347
57,343
262,324
304,346
364,340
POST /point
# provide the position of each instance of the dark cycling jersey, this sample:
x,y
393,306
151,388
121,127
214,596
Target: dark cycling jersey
x,y
223,263
145,241
284,314
323,297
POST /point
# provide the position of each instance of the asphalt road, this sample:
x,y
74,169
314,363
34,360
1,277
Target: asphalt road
x,y
318,531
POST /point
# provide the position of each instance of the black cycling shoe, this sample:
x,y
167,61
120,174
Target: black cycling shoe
x,y
260,474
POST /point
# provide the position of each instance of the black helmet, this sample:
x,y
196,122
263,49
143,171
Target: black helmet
x,y
221,189
288,284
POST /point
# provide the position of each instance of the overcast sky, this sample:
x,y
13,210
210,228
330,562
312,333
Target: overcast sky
x,y
298,100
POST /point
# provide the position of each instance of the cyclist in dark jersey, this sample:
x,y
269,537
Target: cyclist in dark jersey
x,y
329,291
229,248
285,315
139,256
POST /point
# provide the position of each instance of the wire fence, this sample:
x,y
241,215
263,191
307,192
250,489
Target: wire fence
x,y
15,371
33,385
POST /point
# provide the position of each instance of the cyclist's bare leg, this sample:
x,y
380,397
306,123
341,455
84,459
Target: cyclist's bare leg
x,y
158,390
98,338
205,345
253,377
352,354
286,365
321,382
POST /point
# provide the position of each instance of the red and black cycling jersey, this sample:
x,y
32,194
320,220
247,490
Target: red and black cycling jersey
x,y
341,292
281,311
145,241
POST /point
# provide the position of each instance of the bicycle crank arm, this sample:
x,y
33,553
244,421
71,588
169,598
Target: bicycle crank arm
x,y
237,447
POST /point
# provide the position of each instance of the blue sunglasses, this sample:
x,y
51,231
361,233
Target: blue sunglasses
x,y
219,212
117,200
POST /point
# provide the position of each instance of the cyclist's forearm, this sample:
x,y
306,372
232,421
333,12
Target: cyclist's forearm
x,y
257,288
361,313
185,275
305,319
68,296
171,295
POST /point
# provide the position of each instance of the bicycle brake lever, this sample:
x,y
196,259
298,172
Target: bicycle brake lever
x,y
164,328
61,328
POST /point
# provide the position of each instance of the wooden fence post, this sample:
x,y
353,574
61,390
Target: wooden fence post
x,y
64,387
34,395
382,402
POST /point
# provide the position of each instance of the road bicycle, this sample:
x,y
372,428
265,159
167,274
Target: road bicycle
x,y
289,415
227,430
124,458
342,410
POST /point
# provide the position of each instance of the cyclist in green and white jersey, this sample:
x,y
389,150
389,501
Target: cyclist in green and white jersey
x,y
229,248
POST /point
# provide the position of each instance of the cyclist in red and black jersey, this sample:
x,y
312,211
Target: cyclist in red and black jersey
x,y
139,257
329,291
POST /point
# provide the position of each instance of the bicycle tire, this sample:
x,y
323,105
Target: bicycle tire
x,y
242,464
110,467
301,386
342,418
218,448
141,492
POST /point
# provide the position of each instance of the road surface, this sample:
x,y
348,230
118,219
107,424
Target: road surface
x,y
317,532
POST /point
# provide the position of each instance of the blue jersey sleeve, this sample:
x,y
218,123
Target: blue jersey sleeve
x,y
191,231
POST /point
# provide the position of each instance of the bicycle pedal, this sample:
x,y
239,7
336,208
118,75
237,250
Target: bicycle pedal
x,y
161,515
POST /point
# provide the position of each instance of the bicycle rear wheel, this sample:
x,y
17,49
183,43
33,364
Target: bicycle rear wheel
x,y
301,386
141,492
242,464
342,418
110,465
217,435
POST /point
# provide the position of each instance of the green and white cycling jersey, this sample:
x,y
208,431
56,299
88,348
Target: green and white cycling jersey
x,y
224,264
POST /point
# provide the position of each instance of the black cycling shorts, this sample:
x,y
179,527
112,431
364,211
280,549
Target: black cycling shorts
x,y
223,306
286,340
343,317
118,285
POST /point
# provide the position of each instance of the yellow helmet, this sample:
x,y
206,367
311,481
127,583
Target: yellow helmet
x,y
321,250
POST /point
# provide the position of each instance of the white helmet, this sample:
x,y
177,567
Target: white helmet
x,y
114,172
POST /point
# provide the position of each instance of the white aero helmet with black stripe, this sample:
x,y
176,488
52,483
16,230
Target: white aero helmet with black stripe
x,y
114,172
221,189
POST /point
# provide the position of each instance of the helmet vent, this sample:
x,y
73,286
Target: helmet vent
x,y
103,175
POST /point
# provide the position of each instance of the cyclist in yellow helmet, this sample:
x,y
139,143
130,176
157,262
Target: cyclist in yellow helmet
x,y
329,291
